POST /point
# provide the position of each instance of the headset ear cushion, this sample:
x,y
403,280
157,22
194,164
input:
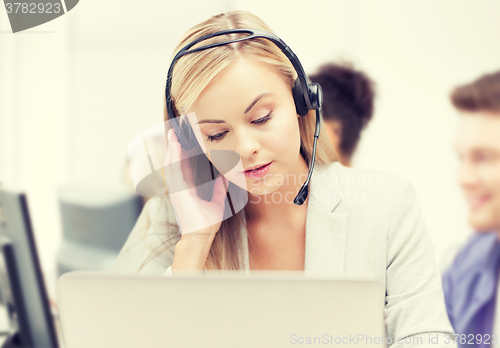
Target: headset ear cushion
x,y
315,95
298,98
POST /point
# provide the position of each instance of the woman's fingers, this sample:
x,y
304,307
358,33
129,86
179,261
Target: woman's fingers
x,y
168,156
192,212
219,191
187,171
175,163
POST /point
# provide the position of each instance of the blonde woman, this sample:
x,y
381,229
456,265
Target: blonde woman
x,y
352,223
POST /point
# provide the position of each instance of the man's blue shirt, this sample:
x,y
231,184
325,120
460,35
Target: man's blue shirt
x,y
470,287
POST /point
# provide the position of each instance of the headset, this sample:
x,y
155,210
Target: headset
x,y
307,96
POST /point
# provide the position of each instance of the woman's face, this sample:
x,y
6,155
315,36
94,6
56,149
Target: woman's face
x,y
249,109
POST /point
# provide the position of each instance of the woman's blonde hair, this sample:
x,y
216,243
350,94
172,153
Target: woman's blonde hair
x,y
192,74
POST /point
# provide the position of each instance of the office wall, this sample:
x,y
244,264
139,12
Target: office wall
x,y
76,90
34,103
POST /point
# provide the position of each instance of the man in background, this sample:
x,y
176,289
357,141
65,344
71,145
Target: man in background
x,y
348,98
471,282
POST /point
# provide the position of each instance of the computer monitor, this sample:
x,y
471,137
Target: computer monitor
x,y
21,281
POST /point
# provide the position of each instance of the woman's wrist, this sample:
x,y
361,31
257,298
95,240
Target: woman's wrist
x,y
191,252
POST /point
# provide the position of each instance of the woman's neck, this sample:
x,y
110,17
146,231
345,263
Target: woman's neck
x,y
272,209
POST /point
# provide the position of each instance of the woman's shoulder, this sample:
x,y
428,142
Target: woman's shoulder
x,y
150,245
374,188
380,206
358,176
159,210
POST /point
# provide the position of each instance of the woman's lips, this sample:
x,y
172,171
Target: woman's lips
x,y
258,173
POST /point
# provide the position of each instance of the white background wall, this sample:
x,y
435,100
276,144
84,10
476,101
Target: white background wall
x,y
75,91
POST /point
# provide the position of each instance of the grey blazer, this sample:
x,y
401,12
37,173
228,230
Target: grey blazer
x,y
359,223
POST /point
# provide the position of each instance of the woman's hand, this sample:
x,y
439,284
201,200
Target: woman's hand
x,y
198,220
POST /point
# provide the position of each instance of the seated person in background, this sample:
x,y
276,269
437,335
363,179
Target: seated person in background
x,y
470,283
348,97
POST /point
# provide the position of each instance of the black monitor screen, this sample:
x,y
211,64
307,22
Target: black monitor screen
x,y
23,289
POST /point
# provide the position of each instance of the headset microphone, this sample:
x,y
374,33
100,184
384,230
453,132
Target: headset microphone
x,y
307,96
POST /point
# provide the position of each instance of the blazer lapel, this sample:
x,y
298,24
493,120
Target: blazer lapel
x,y
326,229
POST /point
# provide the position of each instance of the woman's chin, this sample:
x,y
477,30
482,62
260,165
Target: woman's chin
x,y
262,190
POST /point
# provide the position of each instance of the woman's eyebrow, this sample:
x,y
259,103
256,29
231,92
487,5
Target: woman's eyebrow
x,y
256,100
246,111
211,121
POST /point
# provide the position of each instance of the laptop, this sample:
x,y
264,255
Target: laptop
x,y
216,309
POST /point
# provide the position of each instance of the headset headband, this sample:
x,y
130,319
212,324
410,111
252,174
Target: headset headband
x,y
254,33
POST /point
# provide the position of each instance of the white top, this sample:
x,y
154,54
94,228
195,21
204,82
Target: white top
x,y
375,231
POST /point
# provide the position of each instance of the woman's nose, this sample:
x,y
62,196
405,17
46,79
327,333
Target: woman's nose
x,y
247,144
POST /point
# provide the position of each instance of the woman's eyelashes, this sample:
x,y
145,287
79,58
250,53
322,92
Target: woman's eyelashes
x,y
216,137
260,121
263,119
